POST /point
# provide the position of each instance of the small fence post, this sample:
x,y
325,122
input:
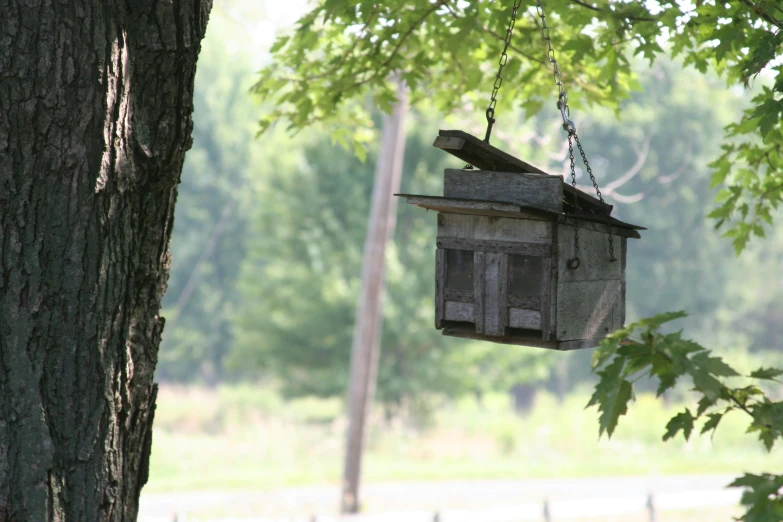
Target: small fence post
x,y
651,510
547,511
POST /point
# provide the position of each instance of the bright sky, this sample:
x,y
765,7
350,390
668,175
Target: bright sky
x,y
253,24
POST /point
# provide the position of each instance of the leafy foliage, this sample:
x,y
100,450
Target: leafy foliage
x,y
343,50
668,269
642,350
446,51
762,495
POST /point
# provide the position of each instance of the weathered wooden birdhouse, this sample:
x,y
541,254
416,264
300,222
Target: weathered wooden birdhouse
x,y
522,257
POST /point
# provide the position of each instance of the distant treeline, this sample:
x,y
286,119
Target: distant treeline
x,y
269,234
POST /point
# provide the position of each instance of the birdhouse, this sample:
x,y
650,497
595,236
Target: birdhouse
x,y
522,257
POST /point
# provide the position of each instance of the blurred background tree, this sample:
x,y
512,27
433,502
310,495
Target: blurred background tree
x,y
269,236
211,231
266,268
300,283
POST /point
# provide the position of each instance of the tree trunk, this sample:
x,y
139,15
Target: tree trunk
x,y
95,118
366,346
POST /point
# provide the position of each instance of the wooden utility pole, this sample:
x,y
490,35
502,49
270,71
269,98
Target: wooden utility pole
x,y
365,349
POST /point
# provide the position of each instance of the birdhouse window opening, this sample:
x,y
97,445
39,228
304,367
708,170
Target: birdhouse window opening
x,y
526,275
459,270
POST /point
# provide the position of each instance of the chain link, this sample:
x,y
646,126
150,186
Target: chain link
x,y
562,96
570,128
589,170
493,101
574,262
595,184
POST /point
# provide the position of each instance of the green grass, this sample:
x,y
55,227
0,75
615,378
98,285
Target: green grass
x,y
247,437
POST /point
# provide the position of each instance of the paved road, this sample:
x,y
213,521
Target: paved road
x,y
432,496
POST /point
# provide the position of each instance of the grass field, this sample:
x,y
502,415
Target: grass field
x,y
247,437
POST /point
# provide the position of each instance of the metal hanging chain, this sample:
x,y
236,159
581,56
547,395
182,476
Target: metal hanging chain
x,y
595,185
562,97
589,170
570,128
574,262
493,101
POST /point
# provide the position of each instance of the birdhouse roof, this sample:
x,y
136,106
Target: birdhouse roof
x,y
500,184
515,210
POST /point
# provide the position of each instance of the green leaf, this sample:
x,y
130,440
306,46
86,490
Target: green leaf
x,y
666,381
704,404
768,113
611,394
713,419
604,352
713,365
749,480
704,369
766,373
763,50
682,421
609,378
707,384
767,437
279,44
612,410
761,497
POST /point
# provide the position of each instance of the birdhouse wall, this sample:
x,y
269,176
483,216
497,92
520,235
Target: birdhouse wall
x,y
510,261
536,190
591,298
490,228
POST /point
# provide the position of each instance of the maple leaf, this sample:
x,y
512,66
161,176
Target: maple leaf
x,y
682,421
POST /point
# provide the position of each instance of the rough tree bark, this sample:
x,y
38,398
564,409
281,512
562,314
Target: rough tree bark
x,y
95,118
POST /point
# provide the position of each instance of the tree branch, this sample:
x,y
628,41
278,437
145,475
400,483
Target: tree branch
x,y
585,4
345,56
615,14
665,180
634,170
763,14
403,37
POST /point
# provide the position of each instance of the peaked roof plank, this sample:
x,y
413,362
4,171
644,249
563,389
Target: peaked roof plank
x,y
484,156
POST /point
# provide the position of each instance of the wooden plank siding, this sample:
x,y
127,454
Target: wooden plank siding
x,y
455,311
494,295
593,254
551,332
500,247
483,208
478,290
608,226
458,295
488,158
535,190
525,302
489,228
620,319
503,288
477,152
440,283
545,297
527,319
587,309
